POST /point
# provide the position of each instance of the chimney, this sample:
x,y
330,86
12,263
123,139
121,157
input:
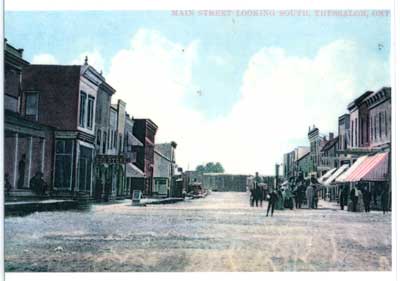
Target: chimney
x,y
330,136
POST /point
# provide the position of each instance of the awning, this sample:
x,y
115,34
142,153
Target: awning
x,y
374,168
337,173
132,140
322,178
343,177
133,172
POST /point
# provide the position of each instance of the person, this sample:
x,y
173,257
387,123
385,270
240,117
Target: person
x,y
367,200
37,184
299,195
279,201
259,193
252,198
385,200
341,197
7,184
310,196
21,171
273,198
315,197
354,198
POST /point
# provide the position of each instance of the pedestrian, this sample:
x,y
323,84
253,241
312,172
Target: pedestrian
x,y
21,171
252,199
367,199
299,195
315,197
259,194
309,196
37,184
385,200
279,202
341,197
354,198
273,198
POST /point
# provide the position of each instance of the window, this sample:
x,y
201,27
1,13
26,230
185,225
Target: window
x,y
362,132
115,139
82,109
375,125
31,107
371,128
63,163
104,142
352,133
10,103
380,125
386,125
90,108
356,130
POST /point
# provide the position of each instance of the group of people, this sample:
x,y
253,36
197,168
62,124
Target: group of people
x,y
360,198
288,196
36,184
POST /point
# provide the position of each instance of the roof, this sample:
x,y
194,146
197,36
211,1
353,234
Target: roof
x,y
329,143
358,100
304,156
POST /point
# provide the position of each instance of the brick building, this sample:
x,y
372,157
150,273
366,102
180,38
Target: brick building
x,y
145,131
64,97
28,144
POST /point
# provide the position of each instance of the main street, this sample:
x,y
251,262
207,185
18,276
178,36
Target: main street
x,y
218,233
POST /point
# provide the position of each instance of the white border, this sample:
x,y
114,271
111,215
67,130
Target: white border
x,y
46,5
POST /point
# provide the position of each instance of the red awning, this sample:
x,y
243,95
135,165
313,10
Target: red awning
x,y
374,168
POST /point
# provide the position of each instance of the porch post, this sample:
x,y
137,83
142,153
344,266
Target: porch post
x,y
43,154
30,160
16,161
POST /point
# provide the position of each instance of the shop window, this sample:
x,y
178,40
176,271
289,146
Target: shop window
x,y
63,163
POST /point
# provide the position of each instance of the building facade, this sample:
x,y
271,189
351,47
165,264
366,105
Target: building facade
x,y
64,97
145,131
164,168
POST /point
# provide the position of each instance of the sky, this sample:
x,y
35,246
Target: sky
x,y
240,90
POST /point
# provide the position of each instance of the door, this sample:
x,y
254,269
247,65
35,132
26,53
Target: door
x,y
85,169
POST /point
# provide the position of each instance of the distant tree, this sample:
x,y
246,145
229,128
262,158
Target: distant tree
x,y
218,168
210,167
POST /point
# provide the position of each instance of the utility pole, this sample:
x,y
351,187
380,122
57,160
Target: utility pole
x,y
276,175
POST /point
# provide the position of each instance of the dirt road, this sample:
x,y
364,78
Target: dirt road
x,y
219,233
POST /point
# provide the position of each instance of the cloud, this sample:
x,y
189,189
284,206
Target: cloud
x,y
44,59
281,95
95,59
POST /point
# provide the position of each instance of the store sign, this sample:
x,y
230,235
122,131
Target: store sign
x,y
110,159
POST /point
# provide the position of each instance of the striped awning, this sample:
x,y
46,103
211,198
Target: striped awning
x,y
336,174
322,178
374,168
343,177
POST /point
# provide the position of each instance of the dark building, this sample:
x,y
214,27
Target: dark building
x,y
28,144
145,131
135,178
64,97
225,182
